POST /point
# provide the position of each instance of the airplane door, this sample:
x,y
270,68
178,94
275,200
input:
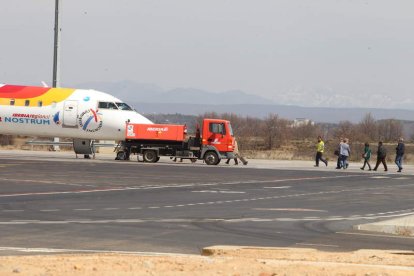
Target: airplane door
x,y
70,114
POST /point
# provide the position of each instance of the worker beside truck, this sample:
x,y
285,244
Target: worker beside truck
x,y
212,143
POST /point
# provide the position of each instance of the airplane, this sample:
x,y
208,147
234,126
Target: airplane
x,y
82,115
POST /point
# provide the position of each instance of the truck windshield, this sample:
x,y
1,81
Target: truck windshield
x,y
231,130
123,106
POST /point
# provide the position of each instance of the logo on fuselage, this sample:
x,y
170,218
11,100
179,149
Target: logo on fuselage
x,y
29,119
56,119
90,120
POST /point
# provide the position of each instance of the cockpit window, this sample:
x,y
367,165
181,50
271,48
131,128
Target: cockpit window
x,y
123,106
107,105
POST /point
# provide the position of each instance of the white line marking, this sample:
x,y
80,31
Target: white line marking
x,y
376,235
12,211
280,187
39,181
111,209
49,210
82,209
317,244
205,220
177,186
219,192
289,209
55,250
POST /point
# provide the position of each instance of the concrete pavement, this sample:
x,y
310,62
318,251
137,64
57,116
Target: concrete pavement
x,y
403,226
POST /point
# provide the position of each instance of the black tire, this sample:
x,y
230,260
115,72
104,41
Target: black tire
x,y
150,156
211,158
120,155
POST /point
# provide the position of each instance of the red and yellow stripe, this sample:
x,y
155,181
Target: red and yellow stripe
x,y
34,94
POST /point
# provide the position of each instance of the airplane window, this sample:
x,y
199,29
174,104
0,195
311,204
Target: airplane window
x,y
39,103
123,106
107,105
12,101
26,102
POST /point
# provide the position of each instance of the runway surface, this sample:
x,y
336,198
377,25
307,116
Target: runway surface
x,y
54,201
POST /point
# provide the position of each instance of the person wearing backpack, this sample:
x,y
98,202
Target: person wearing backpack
x,y
367,156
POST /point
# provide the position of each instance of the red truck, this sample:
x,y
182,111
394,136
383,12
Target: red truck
x,y
213,143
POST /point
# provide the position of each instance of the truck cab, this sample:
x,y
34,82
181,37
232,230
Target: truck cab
x,y
217,140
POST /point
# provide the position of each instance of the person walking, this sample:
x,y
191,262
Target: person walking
x,y
337,152
381,155
399,154
367,156
345,151
237,155
235,152
320,147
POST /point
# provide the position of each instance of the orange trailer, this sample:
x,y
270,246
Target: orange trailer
x,y
156,132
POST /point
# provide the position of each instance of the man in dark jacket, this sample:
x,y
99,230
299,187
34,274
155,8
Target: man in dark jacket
x,y
381,155
400,153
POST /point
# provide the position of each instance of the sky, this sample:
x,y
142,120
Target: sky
x,y
304,52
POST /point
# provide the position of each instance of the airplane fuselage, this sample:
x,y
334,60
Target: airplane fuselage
x,y
59,112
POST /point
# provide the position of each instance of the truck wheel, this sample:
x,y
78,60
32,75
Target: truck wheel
x,y
150,156
120,155
211,158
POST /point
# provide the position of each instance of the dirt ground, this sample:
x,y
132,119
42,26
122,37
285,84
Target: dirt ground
x,y
232,261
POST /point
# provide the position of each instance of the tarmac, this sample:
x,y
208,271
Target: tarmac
x,y
403,226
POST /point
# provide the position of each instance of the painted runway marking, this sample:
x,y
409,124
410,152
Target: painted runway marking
x,y
280,187
56,250
200,220
218,192
289,209
379,177
39,181
317,244
375,235
152,187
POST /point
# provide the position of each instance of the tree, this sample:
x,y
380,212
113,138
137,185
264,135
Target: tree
x,y
390,130
368,128
275,131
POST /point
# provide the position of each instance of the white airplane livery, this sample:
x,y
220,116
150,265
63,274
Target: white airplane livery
x,y
64,112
